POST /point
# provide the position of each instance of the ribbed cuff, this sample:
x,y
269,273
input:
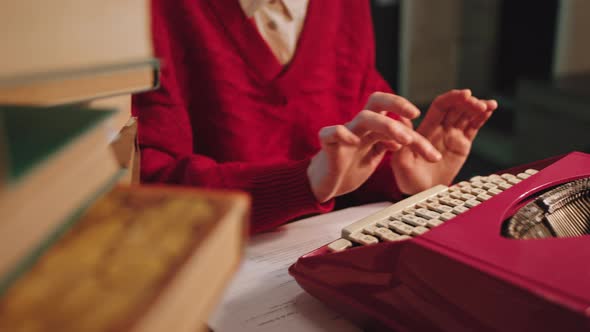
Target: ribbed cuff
x,y
283,193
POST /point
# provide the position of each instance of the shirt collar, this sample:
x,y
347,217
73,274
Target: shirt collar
x,y
251,6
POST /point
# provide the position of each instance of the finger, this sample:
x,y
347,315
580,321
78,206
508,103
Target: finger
x,y
491,104
452,116
471,109
381,101
370,122
375,138
372,138
405,121
463,112
476,124
438,109
423,147
480,120
380,148
391,145
338,135
376,151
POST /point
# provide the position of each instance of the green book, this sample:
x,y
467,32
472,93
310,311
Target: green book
x,y
32,134
56,160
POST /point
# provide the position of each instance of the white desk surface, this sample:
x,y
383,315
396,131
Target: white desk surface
x,y
264,297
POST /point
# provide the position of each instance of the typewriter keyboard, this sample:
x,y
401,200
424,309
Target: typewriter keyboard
x,y
419,213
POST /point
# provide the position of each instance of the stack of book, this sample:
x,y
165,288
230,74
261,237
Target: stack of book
x,y
83,247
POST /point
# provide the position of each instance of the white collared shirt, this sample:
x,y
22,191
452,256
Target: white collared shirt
x,y
279,22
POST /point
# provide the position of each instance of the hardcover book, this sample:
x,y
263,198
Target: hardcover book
x,y
142,258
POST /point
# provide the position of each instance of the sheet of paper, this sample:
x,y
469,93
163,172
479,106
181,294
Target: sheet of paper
x,y
264,297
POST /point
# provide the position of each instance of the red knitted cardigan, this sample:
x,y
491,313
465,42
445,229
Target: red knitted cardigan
x,y
229,115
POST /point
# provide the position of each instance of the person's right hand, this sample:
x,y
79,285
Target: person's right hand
x,y
351,152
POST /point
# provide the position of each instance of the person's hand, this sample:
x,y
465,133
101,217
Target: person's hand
x,y
351,152
451,124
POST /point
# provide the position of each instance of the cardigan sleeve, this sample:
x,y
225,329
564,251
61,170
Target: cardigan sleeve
x,y
166,140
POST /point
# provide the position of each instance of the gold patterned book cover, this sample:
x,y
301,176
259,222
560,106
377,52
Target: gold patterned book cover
x,y
143,258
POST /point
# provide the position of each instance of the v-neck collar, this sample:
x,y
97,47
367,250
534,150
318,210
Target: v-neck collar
x,y
254,49
252,6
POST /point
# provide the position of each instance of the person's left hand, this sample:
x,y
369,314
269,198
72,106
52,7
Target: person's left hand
x,y
451,124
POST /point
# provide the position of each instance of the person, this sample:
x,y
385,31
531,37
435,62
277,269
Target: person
x,y
281,99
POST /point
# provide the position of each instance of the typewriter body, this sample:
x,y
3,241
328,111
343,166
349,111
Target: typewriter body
x,y
465,274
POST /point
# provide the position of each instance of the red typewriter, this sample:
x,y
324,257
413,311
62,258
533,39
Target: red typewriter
x,y
509,252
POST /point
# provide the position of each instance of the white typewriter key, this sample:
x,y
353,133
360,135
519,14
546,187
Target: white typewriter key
x,y
462,184
383,222
507,176
483,197
489,186
466,189
403,237
420,213
370,229
433,223
397,216
523,176
494,191
477,184
446,216
467,197
421,204
476,178
419,230
456,194
457,202
504,185
454,190
531,171
339,245
427,214
472,202
382,217
400,227
477,191
514,180
492,177
382,231
498,181
459,209
445,200
433,200
367,239
414,221
439,208
437,199
355,236
408,210
444,208
390,237
448,201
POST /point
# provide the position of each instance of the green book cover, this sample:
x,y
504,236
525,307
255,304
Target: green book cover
x,y
33,134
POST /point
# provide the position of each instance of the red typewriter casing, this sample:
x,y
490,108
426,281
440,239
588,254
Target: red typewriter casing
x,y
464,275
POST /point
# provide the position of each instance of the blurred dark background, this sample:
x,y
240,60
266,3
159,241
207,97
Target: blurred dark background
x,y
532,56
